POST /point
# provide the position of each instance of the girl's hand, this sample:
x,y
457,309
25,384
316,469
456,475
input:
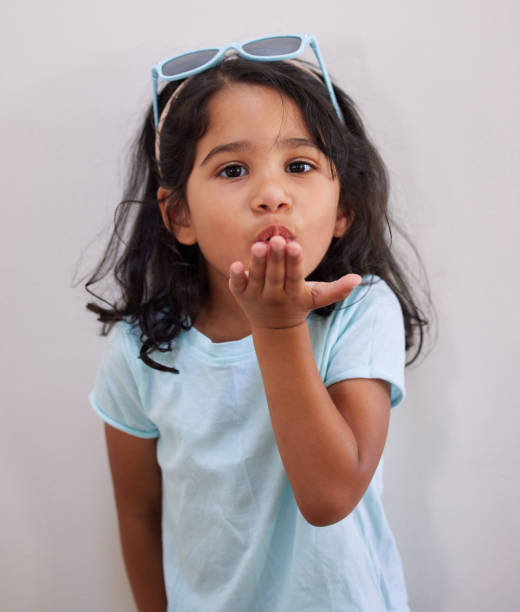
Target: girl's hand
x,y
274,294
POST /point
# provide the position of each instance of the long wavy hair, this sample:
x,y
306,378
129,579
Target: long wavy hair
x,y
161,283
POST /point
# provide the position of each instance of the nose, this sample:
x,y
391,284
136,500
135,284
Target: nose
x,y
270,195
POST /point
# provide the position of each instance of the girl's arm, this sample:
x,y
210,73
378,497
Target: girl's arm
x,y
330,441
136,478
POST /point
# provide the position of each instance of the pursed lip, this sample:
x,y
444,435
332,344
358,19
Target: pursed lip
x,y
274,230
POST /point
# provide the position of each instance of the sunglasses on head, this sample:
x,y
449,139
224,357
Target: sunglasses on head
x,y
266,49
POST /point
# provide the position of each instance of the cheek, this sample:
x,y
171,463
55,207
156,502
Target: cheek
x,y
315,247
318,238
212,229
324,224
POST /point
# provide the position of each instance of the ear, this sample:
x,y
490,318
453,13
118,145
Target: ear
x,y
343,222
175,216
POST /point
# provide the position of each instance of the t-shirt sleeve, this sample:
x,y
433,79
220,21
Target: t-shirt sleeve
x,y
369,339
116,397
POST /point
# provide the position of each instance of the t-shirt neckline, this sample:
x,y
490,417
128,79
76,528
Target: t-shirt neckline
x,y
229,349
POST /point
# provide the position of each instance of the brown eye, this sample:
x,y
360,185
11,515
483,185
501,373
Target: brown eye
x,y
233,171
299,167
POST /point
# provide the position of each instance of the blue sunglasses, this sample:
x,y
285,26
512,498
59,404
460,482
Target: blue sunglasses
x,y
266,49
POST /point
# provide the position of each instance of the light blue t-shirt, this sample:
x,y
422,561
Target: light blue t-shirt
x,y
234,539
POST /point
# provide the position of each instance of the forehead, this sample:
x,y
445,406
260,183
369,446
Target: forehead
x,y
253,111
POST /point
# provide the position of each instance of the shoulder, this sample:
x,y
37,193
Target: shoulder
x,y
373,300
124,337
120,391
363,337
372,292
123,348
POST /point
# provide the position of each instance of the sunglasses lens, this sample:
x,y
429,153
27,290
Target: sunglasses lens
x,y
280,45
190,61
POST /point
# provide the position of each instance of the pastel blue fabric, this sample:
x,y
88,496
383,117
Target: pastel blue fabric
x,y
234,539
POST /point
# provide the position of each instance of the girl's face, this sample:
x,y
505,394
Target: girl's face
x,y
257,171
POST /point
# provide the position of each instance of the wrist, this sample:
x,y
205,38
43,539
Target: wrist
x,y
280,342
278,330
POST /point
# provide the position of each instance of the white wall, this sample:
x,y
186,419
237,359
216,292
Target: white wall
x,y
438,85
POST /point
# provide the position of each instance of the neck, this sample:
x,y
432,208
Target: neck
x,y
220,318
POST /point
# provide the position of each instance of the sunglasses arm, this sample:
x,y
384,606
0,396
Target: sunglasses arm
x,y
314,46
155,78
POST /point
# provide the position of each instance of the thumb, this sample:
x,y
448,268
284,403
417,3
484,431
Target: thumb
x,y
324,294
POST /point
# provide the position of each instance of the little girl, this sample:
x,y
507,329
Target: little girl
x,y
258,343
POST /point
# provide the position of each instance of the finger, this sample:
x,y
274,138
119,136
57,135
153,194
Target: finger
x,y
294,268
257,268
327,293
237,278
275,268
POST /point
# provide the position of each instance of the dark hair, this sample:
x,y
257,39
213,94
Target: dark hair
x,y
162,283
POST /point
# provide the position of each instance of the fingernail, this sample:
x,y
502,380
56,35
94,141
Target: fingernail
x,y
259,249
292,249
277,245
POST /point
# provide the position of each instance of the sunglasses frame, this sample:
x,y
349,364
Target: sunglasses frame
x,y
305,39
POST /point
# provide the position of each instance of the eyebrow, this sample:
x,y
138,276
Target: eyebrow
x,y
245,145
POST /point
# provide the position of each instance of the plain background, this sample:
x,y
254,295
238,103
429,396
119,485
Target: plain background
x,y
438,86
